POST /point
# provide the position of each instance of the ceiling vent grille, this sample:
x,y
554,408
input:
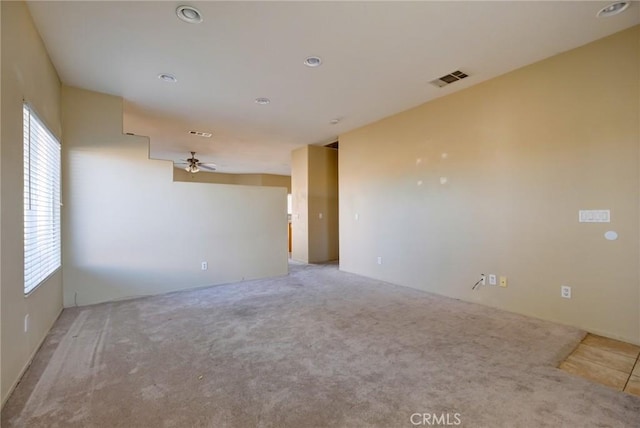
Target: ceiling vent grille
x,y
449,78
201,134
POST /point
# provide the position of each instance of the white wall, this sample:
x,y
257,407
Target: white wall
x,y
129,230
27,74
524,153
300,204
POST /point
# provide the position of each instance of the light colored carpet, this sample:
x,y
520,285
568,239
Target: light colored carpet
x,y
319,348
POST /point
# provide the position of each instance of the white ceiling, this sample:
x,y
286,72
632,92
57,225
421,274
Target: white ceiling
x,y
378,58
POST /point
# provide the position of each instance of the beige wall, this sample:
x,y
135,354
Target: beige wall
x,y
129,230
314,179
28,74
323,201
276,181
524,153
1,388
271,180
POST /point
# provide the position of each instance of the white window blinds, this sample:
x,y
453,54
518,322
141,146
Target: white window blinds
x,y
42,250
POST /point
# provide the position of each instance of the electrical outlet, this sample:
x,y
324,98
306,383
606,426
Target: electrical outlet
x,y
503,281
483,279
492,279
379,260
26,323
565,291
205,266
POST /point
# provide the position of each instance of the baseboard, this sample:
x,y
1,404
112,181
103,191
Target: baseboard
x,y
28,363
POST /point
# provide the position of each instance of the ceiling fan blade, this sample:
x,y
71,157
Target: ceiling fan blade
x,y
207,167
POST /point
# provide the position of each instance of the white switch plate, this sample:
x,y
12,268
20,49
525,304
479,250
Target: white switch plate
x,y
492,279
320,216
357,216
594,216
379,260
565,291
205,265
26,323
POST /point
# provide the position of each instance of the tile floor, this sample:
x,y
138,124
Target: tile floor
x,y
606,361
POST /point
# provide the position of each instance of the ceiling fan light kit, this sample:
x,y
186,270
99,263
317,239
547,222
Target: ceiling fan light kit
x,y
194,165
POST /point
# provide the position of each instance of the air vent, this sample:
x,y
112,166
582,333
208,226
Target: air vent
x,y
201,134
449,78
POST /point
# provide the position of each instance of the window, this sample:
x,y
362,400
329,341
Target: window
x,y
42,250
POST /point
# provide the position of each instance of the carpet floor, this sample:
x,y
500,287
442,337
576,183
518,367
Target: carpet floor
x,y
317,348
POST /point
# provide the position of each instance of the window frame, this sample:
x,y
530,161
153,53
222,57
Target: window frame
x,y
42,201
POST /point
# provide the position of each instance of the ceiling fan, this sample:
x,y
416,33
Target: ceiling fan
x,y
193,165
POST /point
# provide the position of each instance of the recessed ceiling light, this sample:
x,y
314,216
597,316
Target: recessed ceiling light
x,y
263,101
166,77
189,14
613,9
312,61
